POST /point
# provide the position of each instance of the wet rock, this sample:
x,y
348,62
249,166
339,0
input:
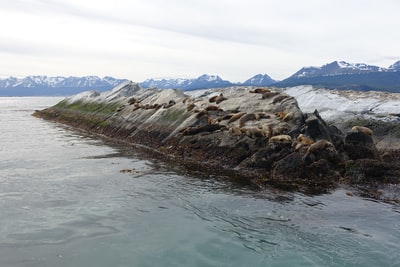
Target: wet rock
x,y
371,171
359,145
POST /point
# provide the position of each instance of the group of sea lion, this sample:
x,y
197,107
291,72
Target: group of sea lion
x,y
137,104
256,124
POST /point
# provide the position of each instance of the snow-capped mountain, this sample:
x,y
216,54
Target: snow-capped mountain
x,y
44,85
395,66
336,68
260,80
74,82
348,76
204,81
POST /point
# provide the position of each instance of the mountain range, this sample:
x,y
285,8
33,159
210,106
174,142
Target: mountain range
x,y
205,81
43,85
334,75
350,76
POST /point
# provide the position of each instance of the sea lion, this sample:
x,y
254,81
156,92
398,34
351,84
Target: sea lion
x,y
247,117
304,140
252,132
260,91
217,99
213,107
262,115
318,147
269,95
281,114
362,129
236,116
267,130
235,130
132,101
280,138
279,99
200,129
170,104
288,116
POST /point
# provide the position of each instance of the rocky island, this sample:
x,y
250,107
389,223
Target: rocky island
x,y
256,135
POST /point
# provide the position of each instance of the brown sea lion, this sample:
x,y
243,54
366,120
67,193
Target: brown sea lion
x,y
279,99
304,140
362,129
218,99
247,117
213,107
280,114
317,147
280,138
269,95
260,91
267,130
235,130
236,116
252,132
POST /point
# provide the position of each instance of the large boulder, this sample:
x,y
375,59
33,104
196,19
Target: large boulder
x,y
359,145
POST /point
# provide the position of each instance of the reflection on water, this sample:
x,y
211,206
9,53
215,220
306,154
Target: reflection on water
x,y
65,201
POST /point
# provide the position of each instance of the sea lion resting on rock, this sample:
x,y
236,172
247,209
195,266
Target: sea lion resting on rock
x,y
235,130
280,138
279,99
200,129
218,98
260,91
248,117
252,132
236,116
304,140
267,130
283,116
301,141
269,95
320,147
213,107
362,129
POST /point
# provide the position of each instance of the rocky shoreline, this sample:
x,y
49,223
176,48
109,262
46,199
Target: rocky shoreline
x,y
257,135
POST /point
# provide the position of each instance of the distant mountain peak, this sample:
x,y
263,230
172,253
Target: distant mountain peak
x,y
260,80
395,66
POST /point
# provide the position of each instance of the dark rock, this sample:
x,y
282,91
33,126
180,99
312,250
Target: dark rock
x,y
359,145
318,129
363,171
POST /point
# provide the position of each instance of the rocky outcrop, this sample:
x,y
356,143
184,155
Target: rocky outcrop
x,y
259,135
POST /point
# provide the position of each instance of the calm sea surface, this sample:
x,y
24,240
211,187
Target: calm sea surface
x,y
65,200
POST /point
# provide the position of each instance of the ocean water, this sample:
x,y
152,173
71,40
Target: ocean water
x,y
68,199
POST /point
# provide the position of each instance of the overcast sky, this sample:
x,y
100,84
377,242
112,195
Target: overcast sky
x,y
139,39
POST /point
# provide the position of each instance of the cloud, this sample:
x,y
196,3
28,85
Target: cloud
x,y
176,37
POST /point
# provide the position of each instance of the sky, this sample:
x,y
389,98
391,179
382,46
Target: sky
x,y
140,39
